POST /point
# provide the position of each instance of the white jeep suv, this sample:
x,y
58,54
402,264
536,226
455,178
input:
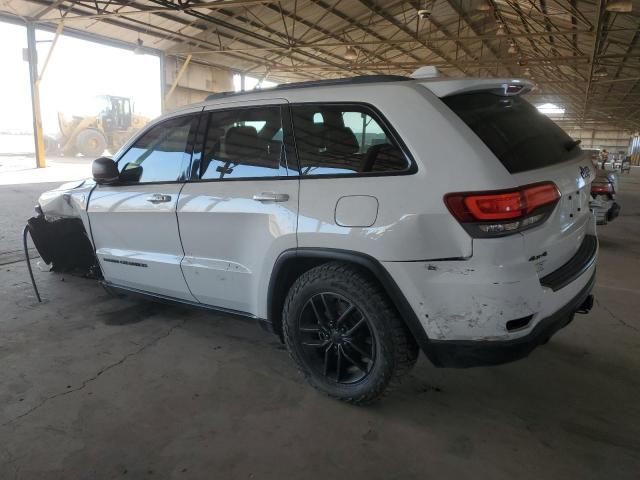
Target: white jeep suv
x,y
360,219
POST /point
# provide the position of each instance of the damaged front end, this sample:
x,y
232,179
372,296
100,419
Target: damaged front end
x,y
64,245
60,231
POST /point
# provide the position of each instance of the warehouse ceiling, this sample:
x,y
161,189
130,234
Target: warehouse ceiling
x,y
583,55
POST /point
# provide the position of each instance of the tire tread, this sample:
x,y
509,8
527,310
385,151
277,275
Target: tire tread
x,y
405,348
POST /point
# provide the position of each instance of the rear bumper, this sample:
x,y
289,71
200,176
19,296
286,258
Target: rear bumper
x,y
584,259
489,297
461,354
488,310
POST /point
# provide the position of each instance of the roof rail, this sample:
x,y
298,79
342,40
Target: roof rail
x,y
318,83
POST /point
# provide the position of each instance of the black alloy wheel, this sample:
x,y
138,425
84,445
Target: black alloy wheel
x,y
345,334
337,339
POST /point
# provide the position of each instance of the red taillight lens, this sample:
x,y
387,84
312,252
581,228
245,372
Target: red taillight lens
x,y
601,188
503,206
540,195
504,212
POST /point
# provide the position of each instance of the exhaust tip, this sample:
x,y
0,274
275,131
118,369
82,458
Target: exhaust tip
x,y
586,306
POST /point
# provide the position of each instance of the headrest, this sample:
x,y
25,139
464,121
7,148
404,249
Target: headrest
x,y
215,133
341,140
312,138
243,142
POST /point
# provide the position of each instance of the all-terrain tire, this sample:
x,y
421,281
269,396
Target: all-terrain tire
x,y
396,351
91,143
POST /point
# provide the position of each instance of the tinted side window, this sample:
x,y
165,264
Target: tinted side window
x,y
344,139
243,143
160,154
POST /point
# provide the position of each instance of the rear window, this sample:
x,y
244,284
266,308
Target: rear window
x,y
521,137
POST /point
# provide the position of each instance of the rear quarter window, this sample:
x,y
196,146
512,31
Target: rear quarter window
x,y
345,139
521,137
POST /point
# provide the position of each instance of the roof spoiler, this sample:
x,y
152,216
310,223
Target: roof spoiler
x,y
505,87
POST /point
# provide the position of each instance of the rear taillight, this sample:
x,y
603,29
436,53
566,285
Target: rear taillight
x,y
503,212
601,188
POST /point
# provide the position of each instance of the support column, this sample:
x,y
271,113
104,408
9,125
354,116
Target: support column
x,y
163,82
32,58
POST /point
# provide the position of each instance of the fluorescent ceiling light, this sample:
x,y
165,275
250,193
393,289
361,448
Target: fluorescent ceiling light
x,y
550,109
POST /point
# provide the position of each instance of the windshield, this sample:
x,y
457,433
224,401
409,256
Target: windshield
x,y
521,137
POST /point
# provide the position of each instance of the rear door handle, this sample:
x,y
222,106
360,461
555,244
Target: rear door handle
x,y
158,198
271,197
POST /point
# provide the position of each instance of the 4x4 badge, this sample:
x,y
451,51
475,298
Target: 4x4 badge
x,y
585,172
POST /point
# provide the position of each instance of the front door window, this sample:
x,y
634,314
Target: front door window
x,y
160,155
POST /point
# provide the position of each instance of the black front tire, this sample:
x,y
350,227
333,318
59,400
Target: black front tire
x,y
387,349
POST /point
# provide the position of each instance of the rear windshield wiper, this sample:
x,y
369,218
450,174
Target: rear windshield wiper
x,y
571,144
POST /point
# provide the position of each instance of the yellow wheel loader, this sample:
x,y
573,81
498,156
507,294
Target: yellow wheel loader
x,y
91,135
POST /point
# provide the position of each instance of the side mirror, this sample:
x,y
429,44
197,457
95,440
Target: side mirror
x,y
131,173
104,170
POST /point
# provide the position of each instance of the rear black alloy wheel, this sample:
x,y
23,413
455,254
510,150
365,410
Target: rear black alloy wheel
x,y
336,338
345,334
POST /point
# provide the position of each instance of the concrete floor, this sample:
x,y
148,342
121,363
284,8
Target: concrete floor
x,y
21,169
94,387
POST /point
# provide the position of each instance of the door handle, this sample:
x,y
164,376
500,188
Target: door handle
x,y
271,197
158,198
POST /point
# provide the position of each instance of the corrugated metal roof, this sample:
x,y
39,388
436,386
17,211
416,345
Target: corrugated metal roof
x,y
551,42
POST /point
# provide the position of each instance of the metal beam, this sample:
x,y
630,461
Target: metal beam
x,y
178,77
369,31
50,52
481,62
403,28
465,17
32,58
239,29
311,26
47,9
355,43
205,6
594,53
153,30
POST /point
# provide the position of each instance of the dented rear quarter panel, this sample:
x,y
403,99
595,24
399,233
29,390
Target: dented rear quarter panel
x,y
473,299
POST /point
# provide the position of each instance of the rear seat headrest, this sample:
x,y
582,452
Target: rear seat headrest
x,y
243,141
340,140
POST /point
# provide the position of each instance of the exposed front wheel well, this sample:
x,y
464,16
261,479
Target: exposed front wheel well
x,y
65,244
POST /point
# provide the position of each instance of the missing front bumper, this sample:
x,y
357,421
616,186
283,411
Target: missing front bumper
x,y
63,244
